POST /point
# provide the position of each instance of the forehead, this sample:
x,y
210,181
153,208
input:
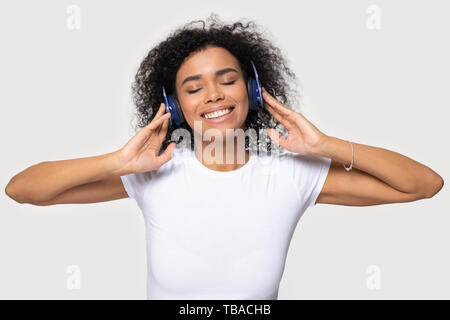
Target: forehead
x,y
206,62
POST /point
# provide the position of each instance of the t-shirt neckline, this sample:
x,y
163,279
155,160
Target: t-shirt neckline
x,y
206,170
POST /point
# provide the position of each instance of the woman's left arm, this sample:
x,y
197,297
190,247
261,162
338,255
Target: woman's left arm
x,y
378,175
398,171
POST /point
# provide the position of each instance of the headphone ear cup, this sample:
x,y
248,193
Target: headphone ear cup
x,y
256,89
173,106
250,93
178,110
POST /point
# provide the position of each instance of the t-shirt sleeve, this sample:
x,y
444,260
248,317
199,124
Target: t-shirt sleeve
x,y
309,173
135,183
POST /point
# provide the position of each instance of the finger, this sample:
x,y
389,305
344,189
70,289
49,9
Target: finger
x,y
156,131
164,127
158,114
274,114
151,128
142,136
288,114
277,138
157,122
161,111
283,120
167,154
285,111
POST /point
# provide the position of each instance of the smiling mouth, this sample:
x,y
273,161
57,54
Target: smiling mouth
x,y
218,114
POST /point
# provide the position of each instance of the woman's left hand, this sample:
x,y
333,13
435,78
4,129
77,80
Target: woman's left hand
x,y
303,136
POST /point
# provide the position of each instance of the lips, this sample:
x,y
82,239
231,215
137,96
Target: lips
x,y
216,109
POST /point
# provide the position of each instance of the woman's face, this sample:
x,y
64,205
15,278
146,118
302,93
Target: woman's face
x,y
209,79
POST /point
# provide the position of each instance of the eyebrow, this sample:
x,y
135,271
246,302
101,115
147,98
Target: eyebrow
x,y
218,73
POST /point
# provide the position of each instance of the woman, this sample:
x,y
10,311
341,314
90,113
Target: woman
x,y
219,215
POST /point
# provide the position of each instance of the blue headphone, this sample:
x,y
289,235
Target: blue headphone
x,y
254,91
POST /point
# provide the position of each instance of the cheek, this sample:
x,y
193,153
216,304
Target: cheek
x,y
188,105
241,96
243,100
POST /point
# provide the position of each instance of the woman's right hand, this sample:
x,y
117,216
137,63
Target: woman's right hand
x,y
140,153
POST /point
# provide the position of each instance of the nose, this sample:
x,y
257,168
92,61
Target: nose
x,y
213,94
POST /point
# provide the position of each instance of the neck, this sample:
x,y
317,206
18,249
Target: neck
x,y
226,154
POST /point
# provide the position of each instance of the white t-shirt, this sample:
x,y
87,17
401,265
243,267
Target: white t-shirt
x,y
223,235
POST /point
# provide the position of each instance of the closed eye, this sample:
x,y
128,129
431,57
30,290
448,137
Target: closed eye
x,y
225,83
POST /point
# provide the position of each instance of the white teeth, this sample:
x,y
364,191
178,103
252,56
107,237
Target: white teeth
x,y
217,114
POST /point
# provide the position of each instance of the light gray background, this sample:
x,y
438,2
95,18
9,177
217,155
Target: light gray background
x,y
66,94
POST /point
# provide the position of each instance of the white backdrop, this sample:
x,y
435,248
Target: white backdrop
x,y
373,72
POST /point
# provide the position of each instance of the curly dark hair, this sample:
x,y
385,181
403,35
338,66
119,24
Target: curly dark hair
x,y
244,42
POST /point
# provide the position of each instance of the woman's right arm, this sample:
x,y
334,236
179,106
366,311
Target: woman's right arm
x,y
93,179
46,180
